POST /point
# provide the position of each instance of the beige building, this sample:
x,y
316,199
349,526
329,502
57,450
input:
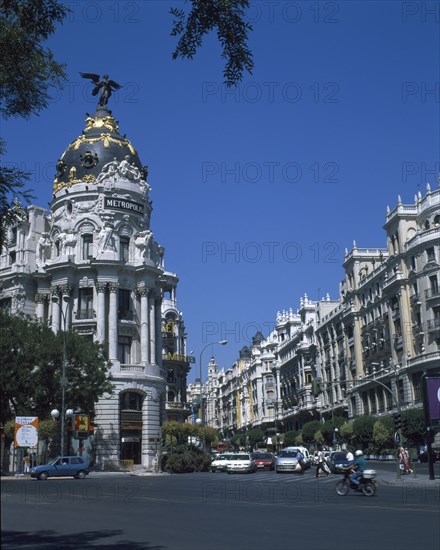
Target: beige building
x,y
367,350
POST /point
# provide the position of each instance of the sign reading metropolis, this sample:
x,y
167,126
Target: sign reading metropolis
x,y
123,204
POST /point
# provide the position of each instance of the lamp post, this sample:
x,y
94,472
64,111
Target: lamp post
x,y
202,410
55,413
55,300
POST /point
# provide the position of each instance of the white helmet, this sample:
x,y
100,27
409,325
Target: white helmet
x,y
358,453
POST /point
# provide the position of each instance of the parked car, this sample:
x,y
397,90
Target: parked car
x,y
264,461
220,462
286,461
339,462
241,463
75,466
423,457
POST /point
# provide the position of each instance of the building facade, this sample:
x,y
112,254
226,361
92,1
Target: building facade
x,y
94,266
362,354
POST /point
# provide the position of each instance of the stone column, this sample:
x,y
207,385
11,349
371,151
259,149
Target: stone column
x,y
152,311
56,314
39,303
145,322
150,425
158,331
100,325
113,322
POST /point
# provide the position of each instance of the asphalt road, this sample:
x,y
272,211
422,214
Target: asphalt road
x,y
217,512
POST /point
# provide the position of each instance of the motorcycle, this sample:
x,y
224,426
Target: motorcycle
x,y
367,484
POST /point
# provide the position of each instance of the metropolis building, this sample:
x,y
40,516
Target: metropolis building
x,y
94,266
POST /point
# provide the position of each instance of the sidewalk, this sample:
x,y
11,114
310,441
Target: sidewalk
x,y
418,480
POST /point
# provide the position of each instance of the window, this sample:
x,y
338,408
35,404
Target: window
x,y
87,247
430,254
124,347
417,386
171,396
85,303
12,258
124,244
131,401
124,307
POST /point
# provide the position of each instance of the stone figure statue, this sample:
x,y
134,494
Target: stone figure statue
x,y
43,249
105,240
143,241
105,86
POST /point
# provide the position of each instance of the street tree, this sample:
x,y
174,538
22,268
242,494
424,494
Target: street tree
x,y
328,428
346,433
255,436
363,430
413,426
32,365
383,433
309,429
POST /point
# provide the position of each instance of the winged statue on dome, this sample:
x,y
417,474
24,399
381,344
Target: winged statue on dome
x,y
104,85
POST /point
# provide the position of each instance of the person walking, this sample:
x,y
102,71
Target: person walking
x,y
320,464
26,464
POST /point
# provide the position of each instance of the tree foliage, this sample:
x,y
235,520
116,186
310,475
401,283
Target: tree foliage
x,y
27,72
415,430
255,436
309,429
28,69
328,428
363,430
32,364
383,433
227,17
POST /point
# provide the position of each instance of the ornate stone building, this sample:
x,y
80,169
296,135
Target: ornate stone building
x,y
94,266
368,349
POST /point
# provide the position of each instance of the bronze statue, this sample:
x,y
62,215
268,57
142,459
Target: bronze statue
x,y
105,86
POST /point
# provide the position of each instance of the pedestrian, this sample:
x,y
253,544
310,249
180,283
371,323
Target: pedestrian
x,y
406,461
26,464
321,465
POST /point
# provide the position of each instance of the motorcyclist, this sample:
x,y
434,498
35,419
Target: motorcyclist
x,y
359,467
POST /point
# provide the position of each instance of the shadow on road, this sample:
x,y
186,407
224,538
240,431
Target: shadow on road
x,y
49,540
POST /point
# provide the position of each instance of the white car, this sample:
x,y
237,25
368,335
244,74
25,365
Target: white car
x,y
241,463
220,462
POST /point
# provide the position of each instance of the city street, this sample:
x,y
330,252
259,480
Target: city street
x,y
219,511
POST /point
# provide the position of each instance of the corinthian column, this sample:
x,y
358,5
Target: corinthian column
x,y
100,326
152,308
144,329
113,322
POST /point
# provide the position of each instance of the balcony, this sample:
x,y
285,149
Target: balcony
x,y
398,342
125,315
177,406
432,293
433,325
82,314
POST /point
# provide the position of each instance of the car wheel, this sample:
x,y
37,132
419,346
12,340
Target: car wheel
x,y
43,476
81,475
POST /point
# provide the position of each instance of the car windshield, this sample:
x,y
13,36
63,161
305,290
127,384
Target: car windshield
x,y
288,454
339,456
221,457
241,457
261,456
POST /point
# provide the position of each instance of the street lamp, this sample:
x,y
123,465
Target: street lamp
x,y
55,300
202,410
55,413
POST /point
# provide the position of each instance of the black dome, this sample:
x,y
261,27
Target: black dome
x,y
99,144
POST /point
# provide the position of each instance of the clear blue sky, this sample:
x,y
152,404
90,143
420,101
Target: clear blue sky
x,y
257,191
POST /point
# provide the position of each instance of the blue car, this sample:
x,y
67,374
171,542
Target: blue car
x,y
75,466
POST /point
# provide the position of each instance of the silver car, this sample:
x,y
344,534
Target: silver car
x,y
286,461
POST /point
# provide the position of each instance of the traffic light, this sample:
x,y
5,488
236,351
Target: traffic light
x,y
317,386
397,422
404,425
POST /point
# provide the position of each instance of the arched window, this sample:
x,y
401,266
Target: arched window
x,y
87,247
131,401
